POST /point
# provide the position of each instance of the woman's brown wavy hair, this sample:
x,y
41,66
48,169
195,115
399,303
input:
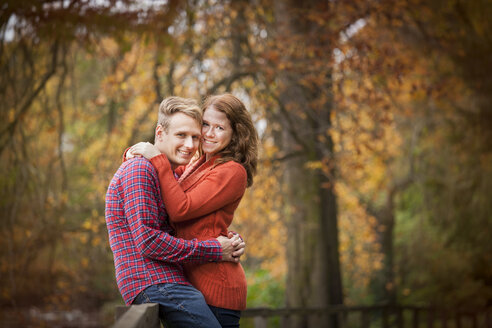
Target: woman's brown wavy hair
x,y
243,147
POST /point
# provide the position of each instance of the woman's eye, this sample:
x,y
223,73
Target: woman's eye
x,y
205,124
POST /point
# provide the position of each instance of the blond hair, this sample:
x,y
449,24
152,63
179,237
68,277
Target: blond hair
x,y
173,105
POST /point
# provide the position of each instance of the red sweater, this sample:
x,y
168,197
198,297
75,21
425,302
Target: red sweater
x,y
201,205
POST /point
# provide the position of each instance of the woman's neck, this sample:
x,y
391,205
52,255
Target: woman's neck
x,y
208,156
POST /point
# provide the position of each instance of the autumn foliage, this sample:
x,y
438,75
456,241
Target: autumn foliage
x,y
374,118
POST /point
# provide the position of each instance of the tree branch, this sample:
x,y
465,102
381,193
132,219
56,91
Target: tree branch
x,y
10,129
227,81
61,123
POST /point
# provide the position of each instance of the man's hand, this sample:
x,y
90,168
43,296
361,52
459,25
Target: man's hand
x,y
232,247
238,244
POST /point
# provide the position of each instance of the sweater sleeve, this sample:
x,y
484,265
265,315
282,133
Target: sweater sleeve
x,y
123,158
141,211
224,184
180,170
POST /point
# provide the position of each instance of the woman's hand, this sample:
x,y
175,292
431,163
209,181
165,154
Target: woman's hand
x,y
129,154
145,149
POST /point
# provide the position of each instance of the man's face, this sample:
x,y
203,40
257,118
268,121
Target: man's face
x,y
181,141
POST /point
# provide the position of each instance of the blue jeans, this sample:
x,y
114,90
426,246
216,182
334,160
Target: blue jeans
x,y
179,306
227,318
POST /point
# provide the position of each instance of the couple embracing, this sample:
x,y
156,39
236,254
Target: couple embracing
x,y
168,218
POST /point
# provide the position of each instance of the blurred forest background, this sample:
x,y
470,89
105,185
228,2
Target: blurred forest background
x,y
375,177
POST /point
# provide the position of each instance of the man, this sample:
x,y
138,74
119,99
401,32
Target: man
x,y
147,258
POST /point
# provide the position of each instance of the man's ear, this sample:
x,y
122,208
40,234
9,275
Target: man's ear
x,y
159,131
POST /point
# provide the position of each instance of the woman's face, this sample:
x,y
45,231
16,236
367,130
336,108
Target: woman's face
x,y
216,131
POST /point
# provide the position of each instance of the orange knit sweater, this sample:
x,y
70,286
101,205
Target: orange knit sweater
x,y
201,205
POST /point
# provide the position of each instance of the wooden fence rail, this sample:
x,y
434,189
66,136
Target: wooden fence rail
x,y
385,316
138,316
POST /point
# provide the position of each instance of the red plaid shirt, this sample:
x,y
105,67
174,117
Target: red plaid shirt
x,y
144,251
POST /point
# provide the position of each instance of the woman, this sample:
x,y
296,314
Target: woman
x,y
202,202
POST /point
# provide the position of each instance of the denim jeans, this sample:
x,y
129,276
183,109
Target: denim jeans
x,y
227,318
179,306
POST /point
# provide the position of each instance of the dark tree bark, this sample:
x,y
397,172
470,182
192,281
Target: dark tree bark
x,y
314,278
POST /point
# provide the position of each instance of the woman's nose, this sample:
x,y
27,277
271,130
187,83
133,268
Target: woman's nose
x,y
209,132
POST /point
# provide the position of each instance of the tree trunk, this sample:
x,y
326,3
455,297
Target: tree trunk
x,y
385,288
313,278
383,284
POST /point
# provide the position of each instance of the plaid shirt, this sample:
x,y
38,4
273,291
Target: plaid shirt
x,y
144,252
